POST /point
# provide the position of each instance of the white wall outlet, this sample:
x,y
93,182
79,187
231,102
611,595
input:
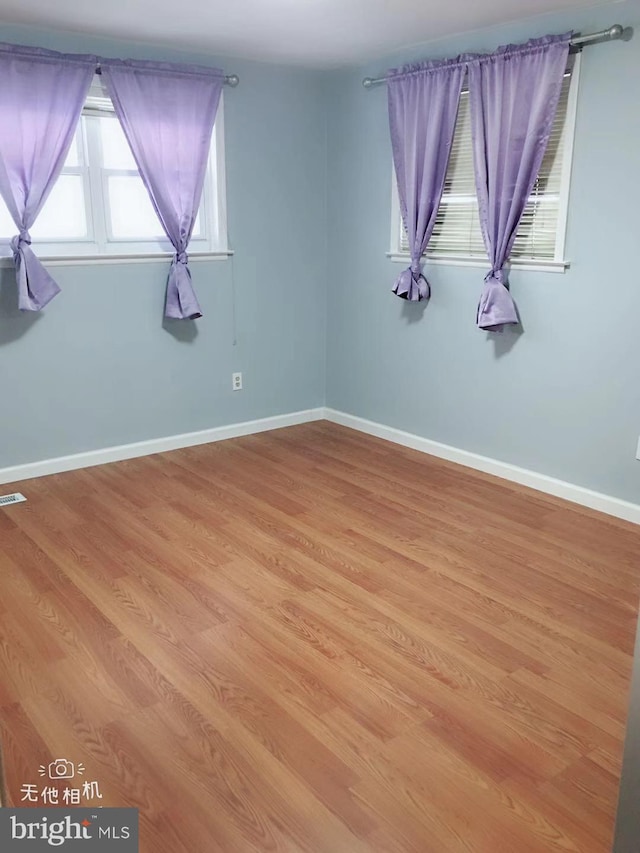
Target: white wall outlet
x,y
638,450
236,381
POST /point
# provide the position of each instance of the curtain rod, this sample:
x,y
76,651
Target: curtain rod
x,y
229,79
613,33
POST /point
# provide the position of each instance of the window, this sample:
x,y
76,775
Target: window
x,y
99,205
539,242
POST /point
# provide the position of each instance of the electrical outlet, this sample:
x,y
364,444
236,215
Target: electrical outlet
x,y
236,381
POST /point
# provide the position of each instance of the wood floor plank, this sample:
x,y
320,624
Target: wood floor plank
x,y
314,641
470,799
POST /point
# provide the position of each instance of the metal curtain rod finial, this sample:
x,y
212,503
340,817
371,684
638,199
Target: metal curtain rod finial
x,y
612,34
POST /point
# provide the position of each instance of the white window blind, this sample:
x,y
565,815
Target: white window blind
x,y
540,235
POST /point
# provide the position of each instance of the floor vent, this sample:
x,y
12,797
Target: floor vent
x,y
15,498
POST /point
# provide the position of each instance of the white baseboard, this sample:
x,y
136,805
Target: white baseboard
x,y
559,488
154,445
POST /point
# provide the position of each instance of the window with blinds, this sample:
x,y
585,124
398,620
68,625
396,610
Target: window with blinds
x,y
540,235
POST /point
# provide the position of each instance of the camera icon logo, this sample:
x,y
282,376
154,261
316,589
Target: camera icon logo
x,y
62,769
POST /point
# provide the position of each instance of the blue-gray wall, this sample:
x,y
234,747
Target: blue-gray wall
x,y
562,399
97,368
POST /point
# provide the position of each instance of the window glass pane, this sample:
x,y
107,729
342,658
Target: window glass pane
x,y
63,215
70,220
116,153
131,213
73,157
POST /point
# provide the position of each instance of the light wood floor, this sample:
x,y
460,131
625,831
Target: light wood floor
x,y
312,640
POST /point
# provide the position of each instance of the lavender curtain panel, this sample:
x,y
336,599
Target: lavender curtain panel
x,y
423,106
167,113
41,98
514,95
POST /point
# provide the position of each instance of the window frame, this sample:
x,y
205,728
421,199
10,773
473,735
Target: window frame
x,y
559,263
99,246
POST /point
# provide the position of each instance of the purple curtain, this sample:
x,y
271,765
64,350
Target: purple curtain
x,y
514,95
41,98
423,106
167,113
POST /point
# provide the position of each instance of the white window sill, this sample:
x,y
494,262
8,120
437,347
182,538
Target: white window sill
x,y
479,263
129,258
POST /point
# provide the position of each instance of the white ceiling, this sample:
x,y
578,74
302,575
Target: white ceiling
x,y
314,33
